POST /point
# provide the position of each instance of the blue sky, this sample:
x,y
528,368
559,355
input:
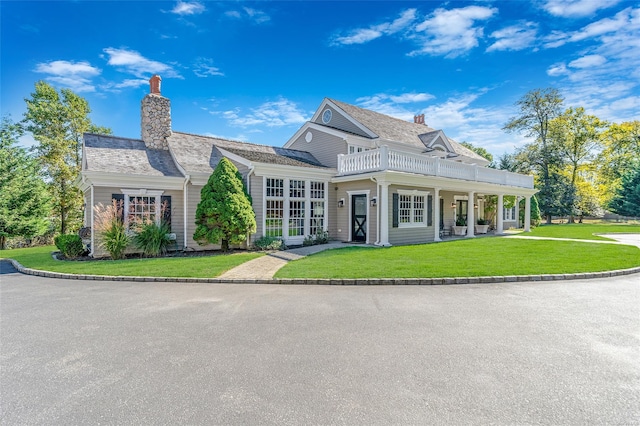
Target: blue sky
x,y
256,71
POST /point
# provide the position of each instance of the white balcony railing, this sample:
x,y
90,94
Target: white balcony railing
x,y
384,158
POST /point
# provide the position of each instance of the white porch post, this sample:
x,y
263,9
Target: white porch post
x,y
518,211
527,214
471,221
384,214
436,214
499,215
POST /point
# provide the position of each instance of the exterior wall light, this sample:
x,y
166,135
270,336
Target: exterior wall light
x,y
374,201
341,202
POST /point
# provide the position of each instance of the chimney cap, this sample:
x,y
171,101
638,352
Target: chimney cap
x,y
154,83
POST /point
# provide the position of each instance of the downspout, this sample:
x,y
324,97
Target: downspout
x,y
373,179
185,199
92,229
251,170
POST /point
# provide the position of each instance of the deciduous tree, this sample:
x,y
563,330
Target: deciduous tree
x,y
57,122
224,215
537,109
24,203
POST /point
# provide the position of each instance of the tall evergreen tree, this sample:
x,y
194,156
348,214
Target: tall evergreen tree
x,y
57,122
626,202
24,203
224,215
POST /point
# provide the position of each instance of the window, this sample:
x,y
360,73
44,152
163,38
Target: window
x,y
353,149
509,213
141,205
411,208
142,210
294,207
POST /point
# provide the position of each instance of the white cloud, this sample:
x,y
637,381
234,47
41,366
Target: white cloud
x,y
134,63
255,15
282,112
625,20
131,83
451,33
74,75
514,37
558,69
364,35
188,8
203,67
394,105
588,61
577,8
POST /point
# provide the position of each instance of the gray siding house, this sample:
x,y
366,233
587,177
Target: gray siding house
x,y
358,174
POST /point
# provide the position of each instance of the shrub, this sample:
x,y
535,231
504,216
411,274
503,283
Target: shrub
x,y
110,228
70,245
269,243
152,239
322,237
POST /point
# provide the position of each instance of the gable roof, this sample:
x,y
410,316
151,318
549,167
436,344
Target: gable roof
x,y
111,154
395,129
201,154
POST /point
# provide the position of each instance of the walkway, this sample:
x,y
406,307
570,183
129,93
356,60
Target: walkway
x,y
624,239
265,267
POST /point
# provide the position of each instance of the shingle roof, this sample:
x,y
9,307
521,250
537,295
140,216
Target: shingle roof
x,y
397,130
112,154
200,154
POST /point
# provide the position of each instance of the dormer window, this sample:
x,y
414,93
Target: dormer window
x,y
354,148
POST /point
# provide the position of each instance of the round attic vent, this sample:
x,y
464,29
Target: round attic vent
x,y
326,116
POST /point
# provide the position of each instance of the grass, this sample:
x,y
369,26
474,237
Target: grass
x,y
198,267
583,231
465,258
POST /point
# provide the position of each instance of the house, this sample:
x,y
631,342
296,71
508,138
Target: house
x,y
358,174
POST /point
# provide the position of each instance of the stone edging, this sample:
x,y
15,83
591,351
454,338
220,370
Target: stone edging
x,y
337,281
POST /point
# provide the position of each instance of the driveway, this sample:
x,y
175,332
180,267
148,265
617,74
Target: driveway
x,y
100,352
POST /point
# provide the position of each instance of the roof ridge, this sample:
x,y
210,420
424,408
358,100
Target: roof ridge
x,y
102,135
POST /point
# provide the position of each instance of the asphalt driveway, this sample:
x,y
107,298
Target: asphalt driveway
x,y
100,352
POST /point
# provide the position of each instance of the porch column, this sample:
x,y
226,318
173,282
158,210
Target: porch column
x,y
436,214
383,239
471,220
499,215
517,211
527,214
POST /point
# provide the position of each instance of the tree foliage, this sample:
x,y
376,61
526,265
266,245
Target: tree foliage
x,y
620,154
578,137
626,201
24,203
224,214
58,122
537,109
478,150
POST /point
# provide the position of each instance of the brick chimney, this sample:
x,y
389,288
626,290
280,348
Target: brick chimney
x,y
155,112
418,119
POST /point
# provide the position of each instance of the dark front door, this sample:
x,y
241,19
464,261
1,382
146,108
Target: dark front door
x,y
359,218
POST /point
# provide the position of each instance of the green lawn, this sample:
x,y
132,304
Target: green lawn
x,y
199,267
465,258
583,231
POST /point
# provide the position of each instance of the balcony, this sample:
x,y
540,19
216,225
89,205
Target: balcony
x,y
384,158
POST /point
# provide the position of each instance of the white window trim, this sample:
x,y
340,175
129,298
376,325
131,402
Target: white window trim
x,y
128,193
413,193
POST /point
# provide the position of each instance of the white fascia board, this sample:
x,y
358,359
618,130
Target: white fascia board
x,y
264,169
132,181
199,178
328,130
446,184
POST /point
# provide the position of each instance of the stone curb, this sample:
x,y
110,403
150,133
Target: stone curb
x,y
337,281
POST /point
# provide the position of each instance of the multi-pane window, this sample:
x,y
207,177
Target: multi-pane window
x,y
418,209
404,213
142,210
294,207
296,218
274,218
510,213
275,187
411,208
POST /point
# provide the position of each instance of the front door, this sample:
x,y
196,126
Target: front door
x,y
359,217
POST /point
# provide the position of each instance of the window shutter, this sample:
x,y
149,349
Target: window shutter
x,y
429,210
120,200
396,212
165,205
